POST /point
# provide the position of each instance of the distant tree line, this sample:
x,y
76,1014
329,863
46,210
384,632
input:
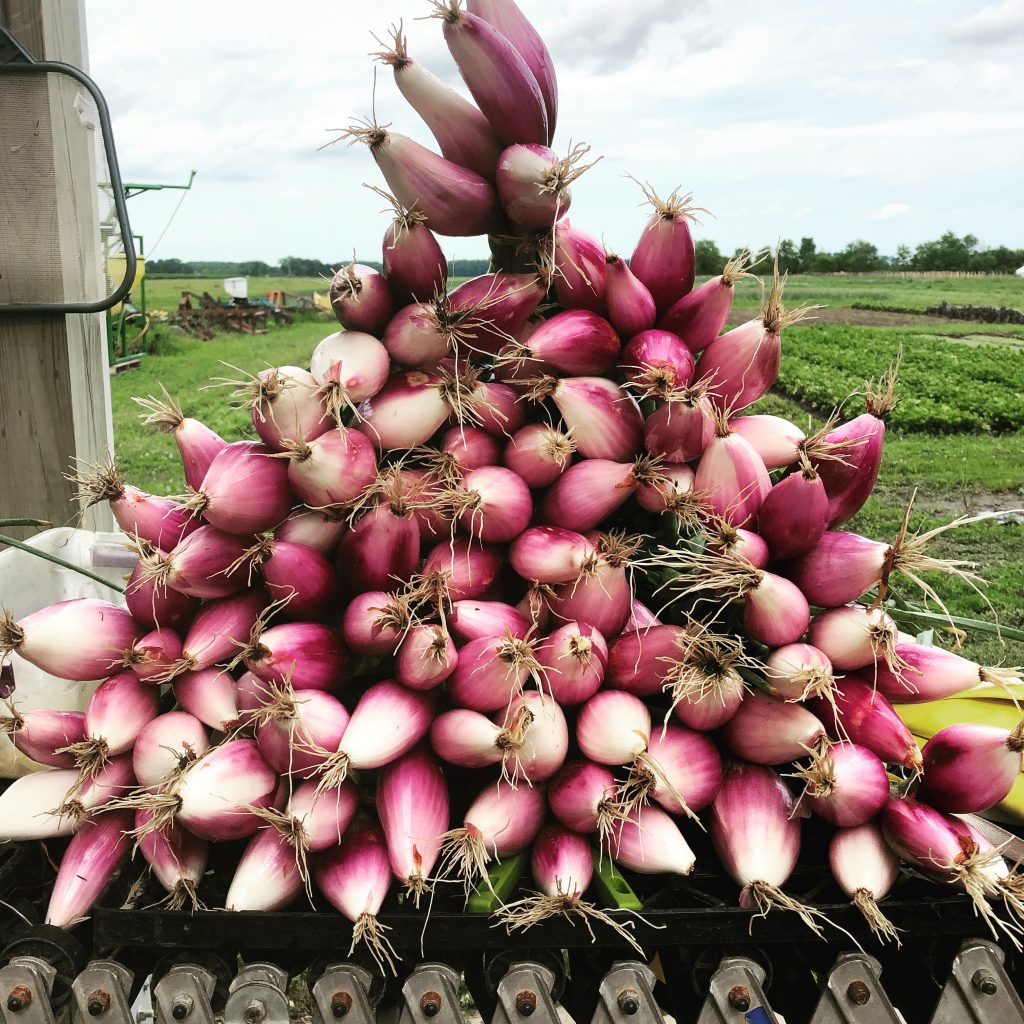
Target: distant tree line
x,y
949,252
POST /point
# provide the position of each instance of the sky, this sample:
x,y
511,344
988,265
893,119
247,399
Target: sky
x,y
889,121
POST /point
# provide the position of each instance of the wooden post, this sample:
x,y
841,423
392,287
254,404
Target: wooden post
x,y
54,375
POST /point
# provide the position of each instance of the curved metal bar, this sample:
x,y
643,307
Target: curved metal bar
x,y
131,261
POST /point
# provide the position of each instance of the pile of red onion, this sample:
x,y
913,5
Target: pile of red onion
x,y
519,542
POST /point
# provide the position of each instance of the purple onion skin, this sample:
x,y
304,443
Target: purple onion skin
x,y
575,343
414,263
838,569
581,269
664,259
303,576
247,489
850,481
679,433
499,305
370,308
659,350
794,515
154,605
699,316
743,365
969,768
930,674
631,308
381,551
310,654
861,787
510,21
499,80
634,660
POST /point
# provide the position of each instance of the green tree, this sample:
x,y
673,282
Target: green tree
x,y
860,257
789,257
808,255
708,259
949,252
903,259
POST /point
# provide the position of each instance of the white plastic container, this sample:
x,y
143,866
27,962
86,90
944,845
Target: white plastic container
x,y
27,584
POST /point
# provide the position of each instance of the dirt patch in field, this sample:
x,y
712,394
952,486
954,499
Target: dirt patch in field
x,y
878,318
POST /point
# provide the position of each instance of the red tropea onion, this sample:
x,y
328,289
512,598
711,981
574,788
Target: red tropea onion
x,y
580,269
496,409
777,441
640,662
165,745
603,593
794,514
640,617
650,843
757,838
453,199
865,869
582,796
631,307
613,728
588,492
348,367
244,490
493,504
724,538
413,261
267,877
197,443
426,658
574,343
969,767
562,864
300,577
79,639
854,636
208,563
375,623
468,567
471,447
664,256
309,655
319,529
573,660
921,673
603,420
491,309
323,816
860,713
219,629
463,134
498,78
473,620
355,876
550,554
533,183
510,21
412,803
545,741
333,468
799,672
153,654
420,335
470,739
699,316
362,299
682,427
39,732
539,454
766,730
733,476
775,610
656,363
118,711
850,479
152,604
491,671
381,549
177,859
89,862
845,784
298,730
500,822
688,769
387,722
210,695
407,412
50,804
285,405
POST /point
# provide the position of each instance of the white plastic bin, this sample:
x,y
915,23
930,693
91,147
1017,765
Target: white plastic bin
x,y
29,583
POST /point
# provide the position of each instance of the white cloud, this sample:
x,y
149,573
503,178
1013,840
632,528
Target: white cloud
x,y
994,23
892,211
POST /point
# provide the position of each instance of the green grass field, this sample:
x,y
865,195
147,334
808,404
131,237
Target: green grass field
x,y
165,293
957,438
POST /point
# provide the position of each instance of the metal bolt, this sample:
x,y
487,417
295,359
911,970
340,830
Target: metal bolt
x,y
430,1004
341,1003
984,981
629,1001
255,1012
858,993
739,998
526,1003
182,1006
98,1002
18,998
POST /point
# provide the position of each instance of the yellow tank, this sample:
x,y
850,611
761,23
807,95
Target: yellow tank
x,y
115,274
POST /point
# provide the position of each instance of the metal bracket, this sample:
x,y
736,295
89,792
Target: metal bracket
x,y
626,995
525,991
431,993
184,994
101,994
342,992
257,996
853,994
735,995
978,989
26,984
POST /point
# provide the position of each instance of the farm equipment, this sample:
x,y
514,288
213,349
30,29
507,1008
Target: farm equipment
x,y
209,315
